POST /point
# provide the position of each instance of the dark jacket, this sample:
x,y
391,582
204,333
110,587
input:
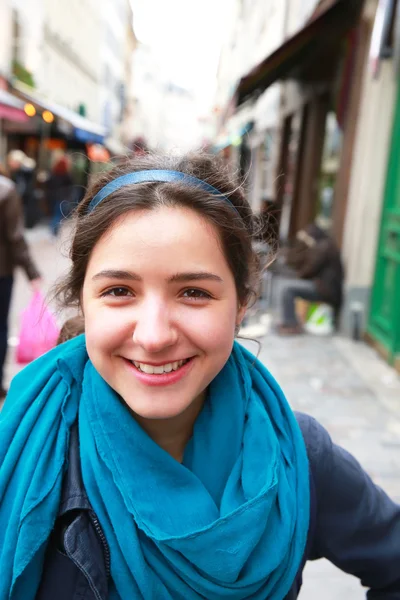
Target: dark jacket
x,y
319,259
24,179
353,524
59,189
13,248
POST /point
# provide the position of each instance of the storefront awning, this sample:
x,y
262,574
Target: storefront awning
x,y
79,127
11,108
330,22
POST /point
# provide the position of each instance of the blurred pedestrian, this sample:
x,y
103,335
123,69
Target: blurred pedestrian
x,y
155,457
316,261
22,172
60,192
13,252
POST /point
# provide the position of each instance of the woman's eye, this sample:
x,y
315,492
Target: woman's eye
x,y
117,292
196,294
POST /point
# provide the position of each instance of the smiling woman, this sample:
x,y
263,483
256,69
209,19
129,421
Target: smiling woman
x,y
154,457
160,306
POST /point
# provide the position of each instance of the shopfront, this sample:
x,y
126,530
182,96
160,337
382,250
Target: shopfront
x,y
319,68
12,110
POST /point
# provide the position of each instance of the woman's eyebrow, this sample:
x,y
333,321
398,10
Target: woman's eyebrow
x,y
177,278
194,276
117,274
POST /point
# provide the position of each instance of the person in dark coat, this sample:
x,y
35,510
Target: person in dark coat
x,y
13,252
22,172
60,188
316,260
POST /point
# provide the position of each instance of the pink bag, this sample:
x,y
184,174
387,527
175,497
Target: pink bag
x,y
39,330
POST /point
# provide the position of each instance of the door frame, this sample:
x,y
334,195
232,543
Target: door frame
x,y
388,347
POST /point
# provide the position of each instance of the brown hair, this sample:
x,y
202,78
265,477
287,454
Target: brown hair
x,y
71,328
236,228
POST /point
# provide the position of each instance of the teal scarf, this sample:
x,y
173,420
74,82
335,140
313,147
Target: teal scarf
x,y
230,522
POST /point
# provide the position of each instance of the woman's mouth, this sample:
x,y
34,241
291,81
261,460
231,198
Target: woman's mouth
x,y
158,375
159,369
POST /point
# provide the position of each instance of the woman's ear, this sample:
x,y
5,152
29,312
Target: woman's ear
x,y
240,316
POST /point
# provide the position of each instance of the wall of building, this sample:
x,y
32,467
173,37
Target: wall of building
x,y
256,29
229,68
5,38
76,52
298,12
25,34
71,66
60,47
115,15
262,28
367,184
127,126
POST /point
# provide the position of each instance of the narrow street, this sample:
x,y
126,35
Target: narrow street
x,y
343,384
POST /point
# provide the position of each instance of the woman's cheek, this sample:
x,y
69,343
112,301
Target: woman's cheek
x,y
215,326
105,324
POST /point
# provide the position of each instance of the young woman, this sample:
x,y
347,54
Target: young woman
x,y
154,457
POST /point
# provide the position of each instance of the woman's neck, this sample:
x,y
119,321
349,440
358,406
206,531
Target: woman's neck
x,y
173,434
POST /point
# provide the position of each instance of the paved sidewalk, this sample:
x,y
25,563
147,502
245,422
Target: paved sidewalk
x,y
345,385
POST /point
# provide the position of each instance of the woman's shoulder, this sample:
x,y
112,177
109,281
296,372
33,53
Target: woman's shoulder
x,y
357,525
316,438
324,455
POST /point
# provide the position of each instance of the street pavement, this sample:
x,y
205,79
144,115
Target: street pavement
x,y
343,384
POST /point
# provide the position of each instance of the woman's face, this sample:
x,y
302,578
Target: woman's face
x,y
160,308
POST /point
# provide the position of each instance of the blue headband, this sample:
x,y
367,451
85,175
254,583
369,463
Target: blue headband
x,y
153,175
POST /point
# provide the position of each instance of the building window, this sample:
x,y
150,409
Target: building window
x,y
329,170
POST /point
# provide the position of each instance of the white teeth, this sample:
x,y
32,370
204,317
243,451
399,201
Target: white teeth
x,y
158,370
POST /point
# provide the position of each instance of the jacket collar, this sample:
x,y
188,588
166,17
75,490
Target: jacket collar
x,y
73,495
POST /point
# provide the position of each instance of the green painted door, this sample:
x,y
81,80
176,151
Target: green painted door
x,y
384,319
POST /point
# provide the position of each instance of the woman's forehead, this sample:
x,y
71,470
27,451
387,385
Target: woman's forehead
x,y
174,234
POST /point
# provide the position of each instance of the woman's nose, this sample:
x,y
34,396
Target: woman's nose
x,y
153,328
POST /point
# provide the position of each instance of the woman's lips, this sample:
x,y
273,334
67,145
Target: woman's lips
x,y
162,379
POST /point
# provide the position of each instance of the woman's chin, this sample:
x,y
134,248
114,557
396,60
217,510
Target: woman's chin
x,y
154,413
